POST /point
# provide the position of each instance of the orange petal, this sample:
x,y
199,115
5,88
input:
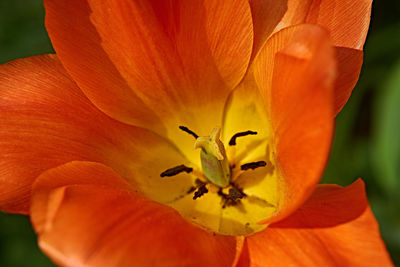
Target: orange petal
x,y
347,20
295,72
78,46
106,224
349,67
179,58
266,16
335,227
47,121
328,206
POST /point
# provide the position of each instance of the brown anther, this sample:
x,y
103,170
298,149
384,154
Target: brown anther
x,y
253,165
233,197
176,170
235,194
187,130
200,191
232,142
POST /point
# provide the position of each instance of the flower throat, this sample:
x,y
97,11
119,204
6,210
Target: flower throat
x,y
216,171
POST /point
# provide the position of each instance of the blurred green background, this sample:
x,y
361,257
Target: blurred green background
x,y
367,141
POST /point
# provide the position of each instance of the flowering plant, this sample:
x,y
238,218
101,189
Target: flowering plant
x,y
97,141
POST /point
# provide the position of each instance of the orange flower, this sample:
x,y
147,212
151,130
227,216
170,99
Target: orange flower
x,y
97,142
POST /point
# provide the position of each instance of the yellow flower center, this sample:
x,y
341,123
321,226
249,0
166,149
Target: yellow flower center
x,y
231,181
227,197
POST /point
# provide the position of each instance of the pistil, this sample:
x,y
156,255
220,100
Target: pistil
x,y
213,157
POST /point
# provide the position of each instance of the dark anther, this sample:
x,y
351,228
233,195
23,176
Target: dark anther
x,y
253,165
200,191
186,129
232,198
176,170
235,194
232,142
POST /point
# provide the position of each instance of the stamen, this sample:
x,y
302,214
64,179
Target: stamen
x,y
232,142
176,170
253,165
235,194
198,183
200,191
233,197
187,130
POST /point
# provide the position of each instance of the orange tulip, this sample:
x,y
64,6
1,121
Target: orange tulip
x,y
97,142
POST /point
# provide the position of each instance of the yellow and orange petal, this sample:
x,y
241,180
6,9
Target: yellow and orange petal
x,y
78,45
299,95
47,121
347,20
335,227
86,214
266,16
348,23
178,61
